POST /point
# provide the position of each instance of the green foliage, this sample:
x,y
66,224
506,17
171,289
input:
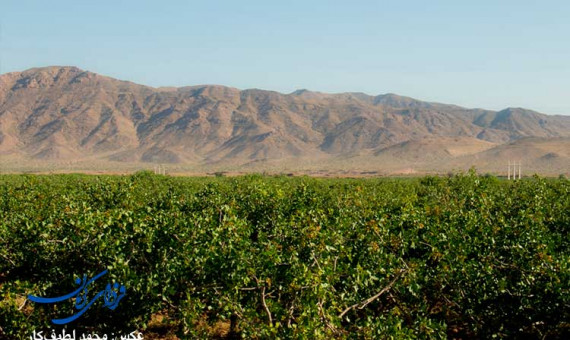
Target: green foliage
x,y
279,257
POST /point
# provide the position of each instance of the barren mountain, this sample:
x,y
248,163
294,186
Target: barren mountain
x,y
64,113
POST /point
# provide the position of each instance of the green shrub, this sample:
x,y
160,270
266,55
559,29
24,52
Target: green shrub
x,y
266,257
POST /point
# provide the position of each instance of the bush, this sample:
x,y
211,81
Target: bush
x,y
268,257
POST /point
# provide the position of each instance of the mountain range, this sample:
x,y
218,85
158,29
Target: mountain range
x,y
65,115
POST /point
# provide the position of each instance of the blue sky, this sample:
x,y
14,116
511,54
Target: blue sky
x,y
490,54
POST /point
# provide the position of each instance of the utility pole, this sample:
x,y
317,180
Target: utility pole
x,y
160,169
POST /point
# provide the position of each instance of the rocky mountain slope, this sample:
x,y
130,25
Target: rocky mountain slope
x,y
64,113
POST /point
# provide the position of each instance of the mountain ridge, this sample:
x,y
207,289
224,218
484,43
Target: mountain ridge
x,y
61,113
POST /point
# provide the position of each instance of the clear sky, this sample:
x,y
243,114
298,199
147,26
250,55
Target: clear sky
x,y
489,54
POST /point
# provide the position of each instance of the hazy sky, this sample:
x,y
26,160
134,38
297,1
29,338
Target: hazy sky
x,y
490,54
